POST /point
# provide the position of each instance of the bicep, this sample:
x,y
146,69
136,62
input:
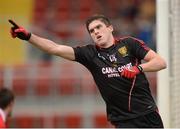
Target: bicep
x,y
65,52
150,55
154,62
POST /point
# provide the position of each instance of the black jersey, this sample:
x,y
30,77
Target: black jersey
x,y
124,98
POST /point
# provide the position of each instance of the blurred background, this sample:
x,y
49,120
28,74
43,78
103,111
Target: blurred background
x,y
53,92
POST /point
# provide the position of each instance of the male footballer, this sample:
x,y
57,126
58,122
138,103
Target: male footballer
x,y
116,67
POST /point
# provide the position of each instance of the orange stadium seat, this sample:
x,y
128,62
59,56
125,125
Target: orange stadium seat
x,y
64,34
40,5
85,8
38,122
19,86
56,121
26,122
10,122
73,120
88,87
100,121
39,11
23,122
113,6
67,81
67,121
66,86
20,79
44,69
43,86
43,79
63,13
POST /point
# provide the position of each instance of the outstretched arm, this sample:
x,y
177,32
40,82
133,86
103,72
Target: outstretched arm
x,y
46,45
51,47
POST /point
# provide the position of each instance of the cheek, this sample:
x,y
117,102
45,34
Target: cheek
x,y
108,34
93,37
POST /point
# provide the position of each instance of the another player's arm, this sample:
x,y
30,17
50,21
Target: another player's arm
x,y
51,47
154,62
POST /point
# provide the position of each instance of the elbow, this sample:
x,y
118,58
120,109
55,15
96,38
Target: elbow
x,y
163,64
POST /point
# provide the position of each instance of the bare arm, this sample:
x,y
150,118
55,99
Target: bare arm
x,y
46,45
51,47
153,63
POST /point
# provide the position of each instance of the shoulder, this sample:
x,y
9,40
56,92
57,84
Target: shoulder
x,y
128,39
85,51
91,46
132,42
88,47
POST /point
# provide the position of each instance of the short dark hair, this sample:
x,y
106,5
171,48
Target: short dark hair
x,y
6,97
100,17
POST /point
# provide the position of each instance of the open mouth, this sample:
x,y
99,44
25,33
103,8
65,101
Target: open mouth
x,y
98,37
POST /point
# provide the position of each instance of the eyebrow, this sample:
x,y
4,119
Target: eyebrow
x,y
97,26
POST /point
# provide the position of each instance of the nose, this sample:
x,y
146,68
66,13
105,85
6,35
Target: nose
x,y
96,31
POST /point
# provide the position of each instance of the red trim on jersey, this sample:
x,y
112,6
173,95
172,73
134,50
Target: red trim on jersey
x,y
140,41
130,92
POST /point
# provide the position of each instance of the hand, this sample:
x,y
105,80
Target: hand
x,y
132,72
20,32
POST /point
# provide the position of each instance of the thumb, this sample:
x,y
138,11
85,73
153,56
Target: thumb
x,y
14,35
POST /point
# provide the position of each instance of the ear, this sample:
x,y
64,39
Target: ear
x,y
111,28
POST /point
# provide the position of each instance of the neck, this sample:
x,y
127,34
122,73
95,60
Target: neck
x,y
108,43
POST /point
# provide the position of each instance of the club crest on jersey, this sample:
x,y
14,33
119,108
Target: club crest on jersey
x,y
123,51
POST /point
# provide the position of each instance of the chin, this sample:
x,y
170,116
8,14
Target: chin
x,y
102,44
99,43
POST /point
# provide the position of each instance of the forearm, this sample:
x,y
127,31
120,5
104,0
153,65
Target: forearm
x,y
154,65
42,43
51,47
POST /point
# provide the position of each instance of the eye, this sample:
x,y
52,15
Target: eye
x,y
99,26
91,30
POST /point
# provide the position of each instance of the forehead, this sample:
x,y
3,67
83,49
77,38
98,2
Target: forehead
x,y
95,23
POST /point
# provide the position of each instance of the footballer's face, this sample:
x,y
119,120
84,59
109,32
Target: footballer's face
x,y
101,33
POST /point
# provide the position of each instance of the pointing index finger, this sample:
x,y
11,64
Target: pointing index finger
x,y
13,23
